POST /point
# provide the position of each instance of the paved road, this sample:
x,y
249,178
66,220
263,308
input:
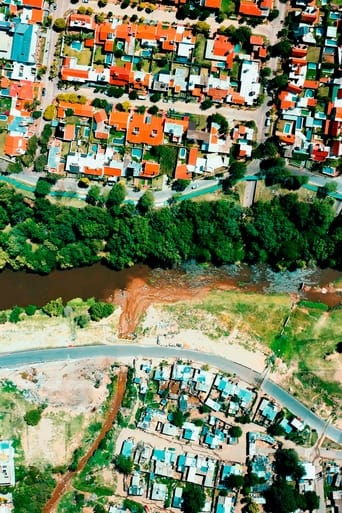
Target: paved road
x,y
15,360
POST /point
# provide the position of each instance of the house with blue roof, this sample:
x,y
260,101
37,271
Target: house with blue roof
x,y
25,39
214,440
177,499
225,386
182,372
137,485
230,469
267,411
191,432
203,380
162,373
224,504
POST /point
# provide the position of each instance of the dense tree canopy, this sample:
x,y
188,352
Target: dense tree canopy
x,y
193,498
284,233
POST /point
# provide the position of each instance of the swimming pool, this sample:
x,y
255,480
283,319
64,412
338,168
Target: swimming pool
x,y
137,153
287,128
86,131
4,445
120,45
309,93
312,65
76,45
126,58
3,117
108,58
182,153
146,53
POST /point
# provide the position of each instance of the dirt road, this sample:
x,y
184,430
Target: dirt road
x,y
65,483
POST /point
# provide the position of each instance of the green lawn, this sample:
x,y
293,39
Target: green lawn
x,y
2,142
314,53
99,56
83,57
5,104
200,120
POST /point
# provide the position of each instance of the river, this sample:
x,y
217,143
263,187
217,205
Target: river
x,y
157,285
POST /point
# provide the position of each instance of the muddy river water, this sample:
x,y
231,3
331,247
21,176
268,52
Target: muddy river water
x,y
141,285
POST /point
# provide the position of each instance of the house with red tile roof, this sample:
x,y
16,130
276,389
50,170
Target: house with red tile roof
x,y
15,145
258,8
149,169
220,49
145,129
81,21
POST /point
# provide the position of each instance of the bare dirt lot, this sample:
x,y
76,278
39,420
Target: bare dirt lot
x,y
72,392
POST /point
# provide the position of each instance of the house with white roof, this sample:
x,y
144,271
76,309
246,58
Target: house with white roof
x,y
249,81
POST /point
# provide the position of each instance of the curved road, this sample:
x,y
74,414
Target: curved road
x,y
19,359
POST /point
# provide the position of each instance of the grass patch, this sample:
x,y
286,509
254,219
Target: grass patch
x,y
83,57
230,309
99,57
235,70
5,105
313,54
3,136
200,120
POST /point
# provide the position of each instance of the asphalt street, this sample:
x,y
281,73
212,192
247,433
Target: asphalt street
x,y
117,352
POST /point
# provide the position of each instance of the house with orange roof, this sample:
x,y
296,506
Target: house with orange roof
x,y
220,49
34,4
15,145
212,4
182,173
119,76
81,21
149,169
69,132
248,8
84,111
119,120
145,129
310,15
217,143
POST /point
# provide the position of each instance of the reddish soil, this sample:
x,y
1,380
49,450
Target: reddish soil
x,y
65,483
140,294
172,286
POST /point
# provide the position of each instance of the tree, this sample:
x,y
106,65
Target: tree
x,y
93,195
193,498
32,417
201,27
206,104
102,3
282,49
36,114
30,310
59,25
311,501
234,481
14,316
153,110
235,432
100,310
280,81
180,184
221,121
281,498
178,418
40,163
155,97
116,197
42,188
81,321
286,464
145,202
265,72
50,113
54,308
124,464
133,95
